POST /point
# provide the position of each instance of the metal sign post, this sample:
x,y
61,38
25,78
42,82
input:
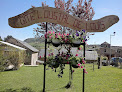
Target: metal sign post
x,y
45,60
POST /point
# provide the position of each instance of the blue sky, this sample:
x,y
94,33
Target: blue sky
x,y
10,8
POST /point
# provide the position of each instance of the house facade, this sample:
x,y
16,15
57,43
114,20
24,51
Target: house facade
x,y
104,50
31,52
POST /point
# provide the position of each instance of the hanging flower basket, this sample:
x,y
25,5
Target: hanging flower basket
x,y
56,42
75,66
54,64
76,42
48,40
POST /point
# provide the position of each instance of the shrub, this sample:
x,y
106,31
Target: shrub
x,y
3,62
14,58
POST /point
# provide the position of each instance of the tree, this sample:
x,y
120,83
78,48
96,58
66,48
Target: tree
x,y
0,38
8,37
82,9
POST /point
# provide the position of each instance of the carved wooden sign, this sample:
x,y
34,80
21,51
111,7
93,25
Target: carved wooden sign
x,y
54,15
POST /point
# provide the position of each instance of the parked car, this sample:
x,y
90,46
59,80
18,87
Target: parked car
x,y
115,61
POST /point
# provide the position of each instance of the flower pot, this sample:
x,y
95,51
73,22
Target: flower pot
x,y
76,42
55,64
56,42
75,66
48,40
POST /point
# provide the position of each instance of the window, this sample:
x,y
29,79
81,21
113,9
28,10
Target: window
x,y
104,50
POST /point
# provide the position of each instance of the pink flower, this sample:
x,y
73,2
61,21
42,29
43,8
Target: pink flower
x,y
40,57
50,37
67,62
45,35
66,58
64,34
52,54
67,34
49,55
83,61
59,34
67,55
79,48
76,55
85,71
81,66
49,32
56,36
53,32
67,39
83,40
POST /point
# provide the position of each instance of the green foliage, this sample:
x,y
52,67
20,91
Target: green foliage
x,y
11,58
106,79
104,58
75,60
121,66
16,58
26,89
3,62
37,43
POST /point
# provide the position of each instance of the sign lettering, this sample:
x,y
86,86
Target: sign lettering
x,y
54,15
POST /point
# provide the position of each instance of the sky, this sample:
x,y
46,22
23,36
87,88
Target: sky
x,y
11,8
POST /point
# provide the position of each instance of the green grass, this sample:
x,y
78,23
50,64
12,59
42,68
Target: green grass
x,y
106,79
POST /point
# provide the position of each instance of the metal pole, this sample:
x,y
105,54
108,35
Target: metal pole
x,y
93,65
110,51
83,69
45,61
110,47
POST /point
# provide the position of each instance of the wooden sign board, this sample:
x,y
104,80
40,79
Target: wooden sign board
x,y
54,15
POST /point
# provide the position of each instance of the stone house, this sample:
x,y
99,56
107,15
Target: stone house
x,y
104,50
31,52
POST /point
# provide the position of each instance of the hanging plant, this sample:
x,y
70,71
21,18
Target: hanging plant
x,y
76,61
56,42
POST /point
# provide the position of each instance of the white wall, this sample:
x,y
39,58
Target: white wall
x,y
34,58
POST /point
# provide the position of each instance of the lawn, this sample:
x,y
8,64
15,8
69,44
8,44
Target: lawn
x,y
106,79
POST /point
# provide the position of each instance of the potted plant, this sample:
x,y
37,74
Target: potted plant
x,y
56,40
74,61
49,36
66,38
77,38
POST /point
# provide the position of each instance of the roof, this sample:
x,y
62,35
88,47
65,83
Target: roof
x,y
9,44
105,43
28,46
116,47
